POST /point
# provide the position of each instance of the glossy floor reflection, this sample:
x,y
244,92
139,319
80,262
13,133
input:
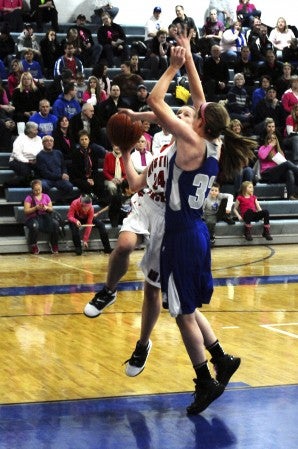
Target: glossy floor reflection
x,y
244,417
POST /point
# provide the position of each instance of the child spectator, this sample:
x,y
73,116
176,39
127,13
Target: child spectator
x,y
217,207
81,212
248,209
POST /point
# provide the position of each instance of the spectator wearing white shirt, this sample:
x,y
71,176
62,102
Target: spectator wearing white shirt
x,y
141,157
159,140
154,24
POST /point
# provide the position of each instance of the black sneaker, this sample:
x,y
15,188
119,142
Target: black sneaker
x,y
101,300
136,364
228,219
225,367
205,393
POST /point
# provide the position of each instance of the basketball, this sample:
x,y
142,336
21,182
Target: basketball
x,y
123,132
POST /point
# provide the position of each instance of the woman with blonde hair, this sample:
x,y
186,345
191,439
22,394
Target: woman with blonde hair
x,y
26,98
15,72
281,36
94,94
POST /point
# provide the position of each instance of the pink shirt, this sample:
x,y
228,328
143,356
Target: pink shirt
x,y
45,200
288,100
10,4
246,203
263,154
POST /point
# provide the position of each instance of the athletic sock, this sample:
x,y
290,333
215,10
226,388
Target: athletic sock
x,y
216,350
202,371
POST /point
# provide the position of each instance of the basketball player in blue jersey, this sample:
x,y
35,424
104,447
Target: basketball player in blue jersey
x,y
186,278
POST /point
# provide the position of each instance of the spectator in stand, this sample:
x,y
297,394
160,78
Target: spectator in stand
x,y
81,86
37,208
46,121
8,131
212,31
216,76
23,157
51,50
26,40
7,44
87,120
26,97
84,169
32,66
93,94
66,103
156,60
271,107
238,104
63,141
245,66
246,12
113,39
14,77
114,171
290,53
135,67
51,169
147,133
80,214
232,42
90,51
11,13
290,142
283,83
141,157
128,82
101,73
281,36
224,9
217,207
182,19
154,24
140,101
3,72
102,6
68,61
160,139
290,97
269,128
107,108
271,66
259,42
260,92
6,109
275,168
43,11
247,208
56,87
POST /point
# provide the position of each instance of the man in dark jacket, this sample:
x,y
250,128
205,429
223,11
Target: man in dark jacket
x,y
90,50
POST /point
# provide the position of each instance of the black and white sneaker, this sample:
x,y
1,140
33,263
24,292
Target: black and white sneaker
x,y
205,393
136,364
225,367
101,300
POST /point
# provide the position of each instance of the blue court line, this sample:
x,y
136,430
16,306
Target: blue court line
x,y
132,285
243,418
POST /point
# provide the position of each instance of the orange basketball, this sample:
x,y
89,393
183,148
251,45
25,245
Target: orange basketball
x,y
123,132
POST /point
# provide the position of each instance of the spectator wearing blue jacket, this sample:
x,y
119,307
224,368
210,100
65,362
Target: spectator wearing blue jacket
x,y
51,169
68,61
66,104
31,65
46,121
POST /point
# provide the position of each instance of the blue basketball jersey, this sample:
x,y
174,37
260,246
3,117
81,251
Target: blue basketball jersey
x,y
186,191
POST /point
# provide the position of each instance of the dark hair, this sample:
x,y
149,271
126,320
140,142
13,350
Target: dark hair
x,y
68,87
83,132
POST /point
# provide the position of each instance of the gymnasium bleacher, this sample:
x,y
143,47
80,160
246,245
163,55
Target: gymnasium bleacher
x,y
284,213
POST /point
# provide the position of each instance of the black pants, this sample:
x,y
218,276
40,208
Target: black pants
x,y
76,233
286,172
250,216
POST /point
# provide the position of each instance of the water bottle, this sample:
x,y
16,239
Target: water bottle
x,y
285,193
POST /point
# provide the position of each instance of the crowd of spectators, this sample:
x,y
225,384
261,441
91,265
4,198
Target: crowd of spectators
x,y
249,66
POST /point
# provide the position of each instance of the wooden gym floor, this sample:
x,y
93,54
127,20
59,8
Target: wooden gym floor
x,y
62,382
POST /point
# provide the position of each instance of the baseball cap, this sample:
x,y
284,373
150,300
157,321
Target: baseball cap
x,y
81,17
142,86
157,9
